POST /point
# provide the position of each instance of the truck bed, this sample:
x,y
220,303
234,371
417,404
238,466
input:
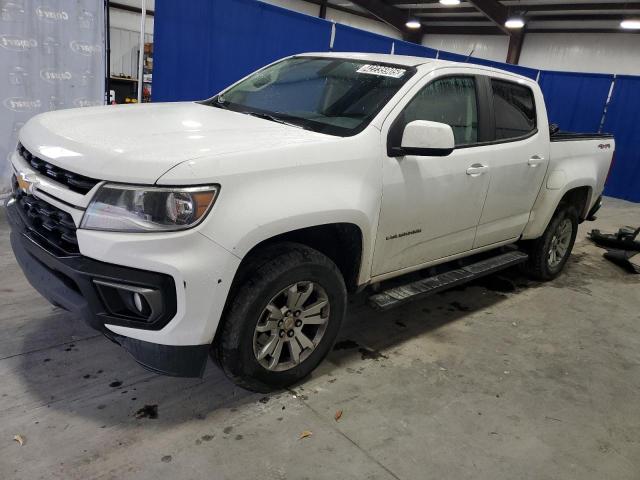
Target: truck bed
x,y
585,157
570,136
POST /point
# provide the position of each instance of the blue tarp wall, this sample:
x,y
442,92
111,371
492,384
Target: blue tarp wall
x,y
201,46
575,101
623,120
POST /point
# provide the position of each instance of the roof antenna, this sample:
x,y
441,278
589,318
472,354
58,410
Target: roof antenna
x,y
470,53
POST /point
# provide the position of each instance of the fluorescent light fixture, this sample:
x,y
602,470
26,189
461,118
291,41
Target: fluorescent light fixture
x,y
413,23
450,2
630,24
514,22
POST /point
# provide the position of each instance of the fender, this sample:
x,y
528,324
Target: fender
x,y
290,188
547,203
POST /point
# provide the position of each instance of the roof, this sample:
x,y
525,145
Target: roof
x,y
374,57
408,61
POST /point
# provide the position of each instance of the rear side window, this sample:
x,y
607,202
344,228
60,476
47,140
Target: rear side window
x,y
514,109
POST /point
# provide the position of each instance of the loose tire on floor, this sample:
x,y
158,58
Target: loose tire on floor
x,y
543,263
279,305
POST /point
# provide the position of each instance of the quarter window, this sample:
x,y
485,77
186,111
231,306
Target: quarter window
x,y
450,100
514,109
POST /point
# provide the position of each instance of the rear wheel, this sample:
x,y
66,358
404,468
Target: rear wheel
x,y
283,319
549,253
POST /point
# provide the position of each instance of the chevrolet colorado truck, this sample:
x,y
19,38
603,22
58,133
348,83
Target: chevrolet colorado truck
x,y
236,226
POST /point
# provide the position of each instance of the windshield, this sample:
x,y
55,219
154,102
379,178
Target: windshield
x,y
327,95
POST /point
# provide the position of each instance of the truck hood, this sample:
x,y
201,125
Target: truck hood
x,y
139,143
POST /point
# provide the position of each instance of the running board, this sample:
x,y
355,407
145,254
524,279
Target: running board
x,y
428,286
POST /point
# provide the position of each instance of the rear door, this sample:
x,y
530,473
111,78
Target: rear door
x,y
518,158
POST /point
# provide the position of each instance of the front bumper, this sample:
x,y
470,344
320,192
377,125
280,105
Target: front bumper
x,y
70,282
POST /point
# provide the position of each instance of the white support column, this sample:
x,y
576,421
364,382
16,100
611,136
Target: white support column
x,y
143,19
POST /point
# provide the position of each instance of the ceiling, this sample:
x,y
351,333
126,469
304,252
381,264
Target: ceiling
x,y
485,17
477,17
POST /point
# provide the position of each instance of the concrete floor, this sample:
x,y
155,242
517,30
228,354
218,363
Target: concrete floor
x,y
542,382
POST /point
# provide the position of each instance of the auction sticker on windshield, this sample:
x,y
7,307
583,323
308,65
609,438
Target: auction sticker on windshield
x,y
382,71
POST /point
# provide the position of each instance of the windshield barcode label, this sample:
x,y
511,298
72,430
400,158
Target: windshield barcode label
x,y
382,71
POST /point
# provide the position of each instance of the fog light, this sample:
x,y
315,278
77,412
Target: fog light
x,y
137,301
130,301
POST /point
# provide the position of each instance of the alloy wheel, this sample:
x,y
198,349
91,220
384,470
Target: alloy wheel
x,y
560,243
291,326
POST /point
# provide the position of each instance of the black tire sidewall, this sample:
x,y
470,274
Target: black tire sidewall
x,y
237,352
562,214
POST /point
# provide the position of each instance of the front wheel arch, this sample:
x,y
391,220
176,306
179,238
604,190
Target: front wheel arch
x,y
283,263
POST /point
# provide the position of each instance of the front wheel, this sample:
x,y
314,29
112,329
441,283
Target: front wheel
x,y
283,319
549,253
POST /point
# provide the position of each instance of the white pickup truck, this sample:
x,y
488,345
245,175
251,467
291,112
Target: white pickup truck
x,y
235,226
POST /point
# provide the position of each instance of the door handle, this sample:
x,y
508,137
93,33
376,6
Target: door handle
x,y
477,169
535,161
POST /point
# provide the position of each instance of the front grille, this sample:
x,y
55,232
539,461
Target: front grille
x,y
77,183
50,227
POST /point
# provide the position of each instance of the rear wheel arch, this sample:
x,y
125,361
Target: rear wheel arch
x,y
542,265
579,198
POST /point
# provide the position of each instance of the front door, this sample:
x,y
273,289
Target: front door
x,y
431,206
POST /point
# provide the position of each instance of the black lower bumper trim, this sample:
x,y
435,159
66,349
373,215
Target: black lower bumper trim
x,y
69,282
174,360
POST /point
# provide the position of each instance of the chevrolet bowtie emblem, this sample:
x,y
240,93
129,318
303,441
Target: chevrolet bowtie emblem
x,y
27,182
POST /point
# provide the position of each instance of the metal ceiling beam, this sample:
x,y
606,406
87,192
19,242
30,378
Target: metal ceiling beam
x,y
129,8
323,9
494,11
392,16
388,14
463,30
491,30
515,46
343,9
536,18
582,30
580,6
576,17
555,7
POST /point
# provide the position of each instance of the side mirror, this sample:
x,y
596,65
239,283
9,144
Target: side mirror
x,y
425,138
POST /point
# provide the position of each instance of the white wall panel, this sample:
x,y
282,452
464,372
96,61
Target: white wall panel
x,y
582,52
124,51
362,23
489,47
297,6
128,20
124,33
338,17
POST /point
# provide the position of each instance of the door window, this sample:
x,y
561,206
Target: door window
x,y
450,100
514,109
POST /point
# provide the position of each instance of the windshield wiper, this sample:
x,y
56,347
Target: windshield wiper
x,y
273,118
219,102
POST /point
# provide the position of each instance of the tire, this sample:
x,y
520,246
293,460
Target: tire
x,y
542,264
262,301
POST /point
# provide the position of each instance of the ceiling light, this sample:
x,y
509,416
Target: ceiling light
x,y
413,23
514,22
450,2
630,24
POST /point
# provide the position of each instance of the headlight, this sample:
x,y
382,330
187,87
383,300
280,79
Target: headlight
x,y
129,208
